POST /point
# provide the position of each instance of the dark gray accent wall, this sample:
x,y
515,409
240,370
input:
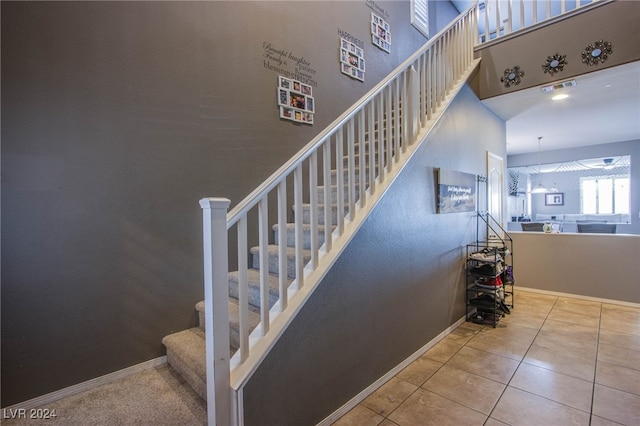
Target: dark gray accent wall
x,y
399,283
117,117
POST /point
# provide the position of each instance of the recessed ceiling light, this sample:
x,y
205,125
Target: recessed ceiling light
x,y
569,83
560,97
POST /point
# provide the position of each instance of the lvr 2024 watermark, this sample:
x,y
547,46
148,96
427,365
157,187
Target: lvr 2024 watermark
x,y
23,413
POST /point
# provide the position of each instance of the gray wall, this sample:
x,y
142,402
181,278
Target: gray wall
x,y
572,200
398,285
117,117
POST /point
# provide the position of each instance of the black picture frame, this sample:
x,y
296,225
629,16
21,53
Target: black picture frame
x,y
554,199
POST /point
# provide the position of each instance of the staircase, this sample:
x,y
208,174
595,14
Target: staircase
x,y
186,349
305,214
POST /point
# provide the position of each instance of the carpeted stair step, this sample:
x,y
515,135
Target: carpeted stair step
x,y
186,351
345,175
273,259
334,193
234,320
306,235
306,213
253,282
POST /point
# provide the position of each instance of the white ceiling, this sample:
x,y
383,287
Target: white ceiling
x,y
603,107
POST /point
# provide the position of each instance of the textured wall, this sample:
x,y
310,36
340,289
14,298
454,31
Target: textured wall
x,y
117,117
601,266
399,283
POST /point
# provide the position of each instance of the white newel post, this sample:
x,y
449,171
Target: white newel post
x,y
216,299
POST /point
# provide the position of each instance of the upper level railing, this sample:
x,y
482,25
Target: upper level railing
x,y
358,155
500,18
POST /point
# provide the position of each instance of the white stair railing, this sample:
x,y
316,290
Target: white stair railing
x,y
500,18
359,154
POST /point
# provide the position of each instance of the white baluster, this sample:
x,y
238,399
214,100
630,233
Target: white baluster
x,y
243,287
282,245
263,242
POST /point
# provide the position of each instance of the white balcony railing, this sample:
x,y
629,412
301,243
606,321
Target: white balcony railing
x,y
500,18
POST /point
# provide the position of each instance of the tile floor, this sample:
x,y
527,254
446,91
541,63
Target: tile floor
x,y
553,361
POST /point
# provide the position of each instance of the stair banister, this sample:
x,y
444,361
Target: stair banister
x,y
402,103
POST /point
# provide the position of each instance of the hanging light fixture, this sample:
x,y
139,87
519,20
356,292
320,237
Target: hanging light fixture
x,y
539,188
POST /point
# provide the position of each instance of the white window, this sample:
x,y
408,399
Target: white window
x,y
420,15
605,195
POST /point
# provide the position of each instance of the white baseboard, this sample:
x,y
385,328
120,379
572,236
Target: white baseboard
x,y
88,385
578,296
388,376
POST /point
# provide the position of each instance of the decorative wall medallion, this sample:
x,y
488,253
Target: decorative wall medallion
x,y
596,52
555,63
512,76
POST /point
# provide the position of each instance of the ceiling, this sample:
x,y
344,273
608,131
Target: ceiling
x,y
603,107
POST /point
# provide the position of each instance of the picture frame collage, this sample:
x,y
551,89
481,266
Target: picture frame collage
x,y
352,60
295,100
380,33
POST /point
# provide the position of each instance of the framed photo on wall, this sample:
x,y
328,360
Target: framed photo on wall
x,y
295,100
351,60
554,199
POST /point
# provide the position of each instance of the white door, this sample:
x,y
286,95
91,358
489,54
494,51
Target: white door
x,y
495,189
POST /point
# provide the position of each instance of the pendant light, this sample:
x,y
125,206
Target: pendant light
x,y
540,188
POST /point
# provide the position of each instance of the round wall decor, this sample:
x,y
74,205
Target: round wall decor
x,y
597,52
512,76
555,63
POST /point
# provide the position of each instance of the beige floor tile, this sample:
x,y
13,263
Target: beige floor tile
x,y
419,370
620,318
611,307
444,349
622,340
524,318
533,308
599,421
615,405
389,396
485,364
425,408
571,338
557,387
493,422
517,407
465,388
359,416
581,331
561,361
387,422
531,296
619,356
617,377
512,341
578,306
464,333
574,318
